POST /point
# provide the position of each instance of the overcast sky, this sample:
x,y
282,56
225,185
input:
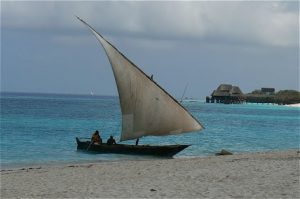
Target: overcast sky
x,y
44,48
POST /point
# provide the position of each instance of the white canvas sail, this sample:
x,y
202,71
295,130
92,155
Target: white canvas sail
x,y
147,109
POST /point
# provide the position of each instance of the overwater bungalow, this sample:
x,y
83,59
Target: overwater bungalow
x,y
227,94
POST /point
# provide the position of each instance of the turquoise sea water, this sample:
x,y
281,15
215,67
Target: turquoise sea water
x,y
39,129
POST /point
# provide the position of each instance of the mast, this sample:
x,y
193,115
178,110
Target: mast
x,y
147,109
183,93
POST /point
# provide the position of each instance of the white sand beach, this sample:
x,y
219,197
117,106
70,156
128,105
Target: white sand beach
x,y
256,175
294,105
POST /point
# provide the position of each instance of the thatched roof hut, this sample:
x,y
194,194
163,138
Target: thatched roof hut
x,y
227,90
222,90
236,91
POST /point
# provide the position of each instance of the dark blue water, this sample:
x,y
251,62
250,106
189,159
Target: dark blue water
x,y
41,128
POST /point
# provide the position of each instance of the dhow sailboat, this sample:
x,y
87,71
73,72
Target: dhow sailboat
x,y
147,109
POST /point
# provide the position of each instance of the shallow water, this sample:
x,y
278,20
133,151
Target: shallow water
x,y
41,128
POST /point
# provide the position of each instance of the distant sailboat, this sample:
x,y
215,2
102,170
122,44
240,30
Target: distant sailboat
x,y
147,109
183,93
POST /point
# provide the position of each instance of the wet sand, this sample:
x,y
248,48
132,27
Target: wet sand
x,y
253,175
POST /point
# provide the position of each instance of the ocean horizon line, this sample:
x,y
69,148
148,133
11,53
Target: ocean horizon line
x,y
53,93
80,94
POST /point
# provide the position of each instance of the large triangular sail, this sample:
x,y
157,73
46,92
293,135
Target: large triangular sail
x,y
147,109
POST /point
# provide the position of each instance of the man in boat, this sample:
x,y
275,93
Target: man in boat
x,y
111,140
96,139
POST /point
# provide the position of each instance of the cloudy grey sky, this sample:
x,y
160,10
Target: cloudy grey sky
x,y
44,48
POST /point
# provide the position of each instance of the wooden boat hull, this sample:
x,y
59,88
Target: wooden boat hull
x,y
168,150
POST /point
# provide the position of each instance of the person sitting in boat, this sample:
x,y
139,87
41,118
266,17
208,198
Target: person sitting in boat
x,y
111,140
96,139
